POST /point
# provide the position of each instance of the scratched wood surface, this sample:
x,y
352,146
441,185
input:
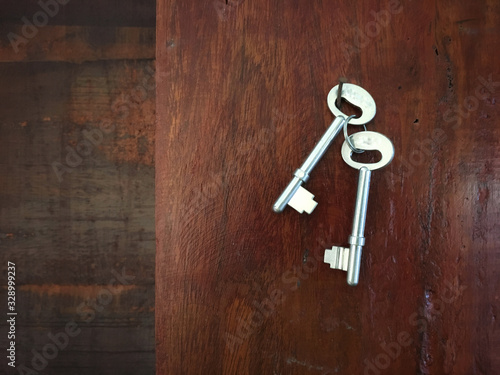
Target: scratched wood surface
x,y
77,192
241,101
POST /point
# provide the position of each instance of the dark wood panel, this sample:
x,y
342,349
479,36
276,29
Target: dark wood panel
x,y
88,215
241,101
84,226
106,305
77,43
77,201
101,322
110,13
111,363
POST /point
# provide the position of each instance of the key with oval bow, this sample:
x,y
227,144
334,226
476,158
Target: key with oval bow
x,y
294,194
349,259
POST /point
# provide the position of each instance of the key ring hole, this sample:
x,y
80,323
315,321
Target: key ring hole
x,y
348,137
367,157
349,109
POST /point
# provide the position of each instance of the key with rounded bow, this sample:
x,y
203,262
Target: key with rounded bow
x,y
294,194
349,259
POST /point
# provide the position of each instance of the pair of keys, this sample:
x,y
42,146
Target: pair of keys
x,y
343,258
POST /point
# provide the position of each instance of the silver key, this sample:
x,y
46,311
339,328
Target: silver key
x,y
294,194
349,259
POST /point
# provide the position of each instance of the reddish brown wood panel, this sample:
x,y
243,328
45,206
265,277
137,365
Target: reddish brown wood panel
x,y
241,101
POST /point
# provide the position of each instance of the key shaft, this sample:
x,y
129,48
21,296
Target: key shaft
x,y
357,237
301,175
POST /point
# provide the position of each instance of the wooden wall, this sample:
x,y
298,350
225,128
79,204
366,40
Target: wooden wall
x,y
241,101
77,112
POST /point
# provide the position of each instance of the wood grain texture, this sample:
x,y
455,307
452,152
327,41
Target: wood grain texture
x,y
79,43
77,194
101,13
241,101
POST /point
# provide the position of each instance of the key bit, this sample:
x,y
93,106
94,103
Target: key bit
x,y
302,201
338,257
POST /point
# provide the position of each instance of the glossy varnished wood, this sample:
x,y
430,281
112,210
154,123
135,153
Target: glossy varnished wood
x,y
241,101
